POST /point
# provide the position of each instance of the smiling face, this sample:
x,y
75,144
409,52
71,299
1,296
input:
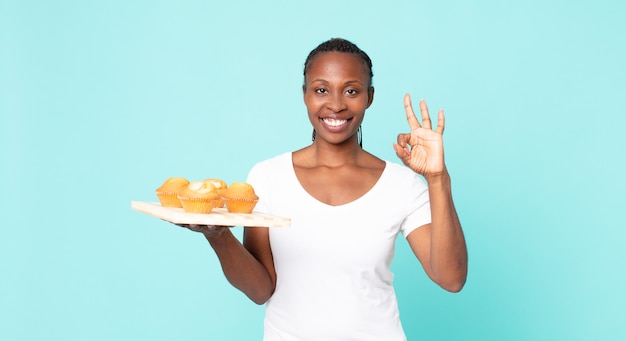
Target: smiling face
x,y
337,92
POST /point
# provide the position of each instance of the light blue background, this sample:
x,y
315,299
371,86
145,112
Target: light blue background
x,y
100,101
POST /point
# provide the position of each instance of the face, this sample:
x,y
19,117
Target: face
x,y
336,93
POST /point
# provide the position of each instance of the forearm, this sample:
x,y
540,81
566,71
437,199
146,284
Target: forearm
x,y
241,268
448,252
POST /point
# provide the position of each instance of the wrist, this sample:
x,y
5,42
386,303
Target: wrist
x,y
216,234
441,178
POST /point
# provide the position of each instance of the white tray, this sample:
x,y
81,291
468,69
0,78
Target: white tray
x,y
217,216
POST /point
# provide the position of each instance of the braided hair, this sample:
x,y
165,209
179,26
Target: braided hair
x,y
339,45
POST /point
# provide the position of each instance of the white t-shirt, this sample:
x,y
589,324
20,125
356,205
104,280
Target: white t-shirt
x,y
333,264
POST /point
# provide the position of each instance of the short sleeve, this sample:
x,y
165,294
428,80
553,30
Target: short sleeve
x,y
258,181
419,206
265,176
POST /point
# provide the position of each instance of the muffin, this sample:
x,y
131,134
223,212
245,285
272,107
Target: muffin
x,y
239,197
220,186
169,190
199,197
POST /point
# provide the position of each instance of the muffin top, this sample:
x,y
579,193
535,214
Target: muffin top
x,y
200,189
241,190
174,184
218,183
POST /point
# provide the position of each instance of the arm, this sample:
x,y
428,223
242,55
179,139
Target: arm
x,y
249,267
440,245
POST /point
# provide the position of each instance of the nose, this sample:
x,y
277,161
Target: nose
x,y
336,102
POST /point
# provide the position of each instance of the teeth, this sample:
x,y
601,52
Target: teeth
x,y
333,122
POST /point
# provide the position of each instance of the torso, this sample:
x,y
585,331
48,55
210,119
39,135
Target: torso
x,y
332,265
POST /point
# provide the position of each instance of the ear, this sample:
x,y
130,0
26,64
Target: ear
x,y
370,93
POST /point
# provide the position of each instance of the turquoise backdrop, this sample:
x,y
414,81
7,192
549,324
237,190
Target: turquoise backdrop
x,y
100,101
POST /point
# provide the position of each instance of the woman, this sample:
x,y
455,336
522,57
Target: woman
x,y
328,276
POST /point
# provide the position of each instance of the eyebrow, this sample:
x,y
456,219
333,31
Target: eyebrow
x,y
350,82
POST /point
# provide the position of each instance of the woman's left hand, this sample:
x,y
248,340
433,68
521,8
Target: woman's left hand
x,y
422,148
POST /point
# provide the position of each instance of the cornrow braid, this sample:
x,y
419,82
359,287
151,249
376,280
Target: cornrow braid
x,y
339,45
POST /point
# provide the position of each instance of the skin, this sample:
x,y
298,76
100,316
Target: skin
x,y
335,170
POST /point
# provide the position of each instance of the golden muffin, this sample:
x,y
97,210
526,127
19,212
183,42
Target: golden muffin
x,y
240,197
169,190
199,197
220,186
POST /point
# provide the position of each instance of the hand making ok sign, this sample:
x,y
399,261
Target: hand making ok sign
x,y
422,148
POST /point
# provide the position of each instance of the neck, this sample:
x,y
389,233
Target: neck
x,y
330,155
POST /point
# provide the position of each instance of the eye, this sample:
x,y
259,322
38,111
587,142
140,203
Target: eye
x,y
352,92
321,90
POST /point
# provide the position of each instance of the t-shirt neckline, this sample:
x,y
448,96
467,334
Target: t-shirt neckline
x,y
319,202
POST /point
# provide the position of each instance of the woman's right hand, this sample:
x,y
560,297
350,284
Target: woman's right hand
x,y
207,230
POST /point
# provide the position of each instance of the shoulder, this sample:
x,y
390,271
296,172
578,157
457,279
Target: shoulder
x,y
270,167
372,161
400,170
400,175
274,161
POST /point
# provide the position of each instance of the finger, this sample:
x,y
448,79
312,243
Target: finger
x,y
410,114
425,117
401,152
440,122
402,146
216,227
403,140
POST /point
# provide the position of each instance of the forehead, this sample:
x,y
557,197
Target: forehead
x,y
338,64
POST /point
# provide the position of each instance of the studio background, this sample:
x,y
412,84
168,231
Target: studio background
x,y
101,101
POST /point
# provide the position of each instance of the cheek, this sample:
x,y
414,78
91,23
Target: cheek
x,y
359,105
312,103
311,107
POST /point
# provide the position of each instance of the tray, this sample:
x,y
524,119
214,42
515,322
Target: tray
x,y
218,216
